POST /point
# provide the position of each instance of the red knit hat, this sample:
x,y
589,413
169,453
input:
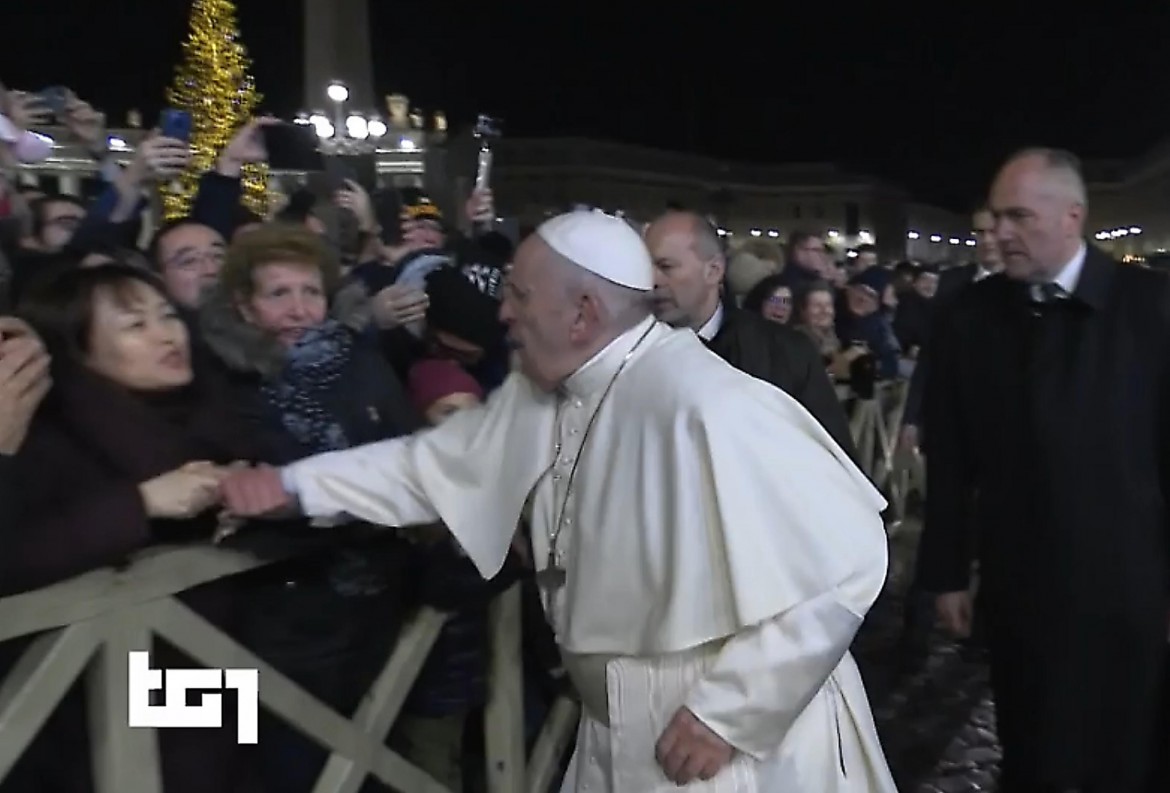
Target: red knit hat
x,y
434,378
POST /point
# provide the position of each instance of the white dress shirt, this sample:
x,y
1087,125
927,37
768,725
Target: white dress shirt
x,y
712,325
1068,277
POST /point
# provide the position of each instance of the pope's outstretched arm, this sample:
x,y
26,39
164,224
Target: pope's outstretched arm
x,y
377,483
472,472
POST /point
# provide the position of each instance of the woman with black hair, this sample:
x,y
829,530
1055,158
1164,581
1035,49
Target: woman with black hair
x,y
127,450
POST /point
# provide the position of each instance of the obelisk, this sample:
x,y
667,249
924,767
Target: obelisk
x,y
338,47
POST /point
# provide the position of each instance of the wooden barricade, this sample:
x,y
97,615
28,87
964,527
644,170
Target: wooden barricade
x,y
89,624
876,425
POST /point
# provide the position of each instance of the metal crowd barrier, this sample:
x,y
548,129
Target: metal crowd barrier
x,y
89,625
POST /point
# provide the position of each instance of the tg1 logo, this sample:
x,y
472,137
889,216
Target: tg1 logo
x,y
175,712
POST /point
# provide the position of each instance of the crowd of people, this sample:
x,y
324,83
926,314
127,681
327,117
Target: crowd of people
x,y
602,410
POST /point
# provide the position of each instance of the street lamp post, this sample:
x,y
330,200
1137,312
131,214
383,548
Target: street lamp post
x,y
352,134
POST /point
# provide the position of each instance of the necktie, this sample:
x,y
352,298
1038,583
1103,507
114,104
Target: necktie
x,y
1048,293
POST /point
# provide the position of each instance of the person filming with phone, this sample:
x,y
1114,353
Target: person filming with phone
x,y
863,326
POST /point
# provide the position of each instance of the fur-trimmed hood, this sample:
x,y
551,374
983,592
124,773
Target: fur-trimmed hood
x,y
244,348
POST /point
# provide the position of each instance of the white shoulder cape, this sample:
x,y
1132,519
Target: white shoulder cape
x,y
707,501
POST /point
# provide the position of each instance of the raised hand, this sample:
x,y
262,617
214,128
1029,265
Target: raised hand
x,y
247,147
398,305
25,110
355,198
481,207
24,381
163,158
86,124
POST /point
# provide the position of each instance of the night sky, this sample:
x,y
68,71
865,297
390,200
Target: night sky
x,y
930,97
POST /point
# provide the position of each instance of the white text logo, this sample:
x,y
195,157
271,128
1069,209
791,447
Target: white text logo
x,y
175,712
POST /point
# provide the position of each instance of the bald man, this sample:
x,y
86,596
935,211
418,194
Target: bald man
x,y
742,544
689,268
1050,396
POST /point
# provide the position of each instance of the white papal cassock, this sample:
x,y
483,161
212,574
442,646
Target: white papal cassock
x,y
721,553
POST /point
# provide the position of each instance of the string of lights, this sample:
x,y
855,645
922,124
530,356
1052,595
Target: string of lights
x,y
213,84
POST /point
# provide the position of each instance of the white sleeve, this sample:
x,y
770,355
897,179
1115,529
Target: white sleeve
x,y
766,675
376,483
29,147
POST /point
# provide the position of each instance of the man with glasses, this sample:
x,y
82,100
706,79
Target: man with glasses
x,y
188,256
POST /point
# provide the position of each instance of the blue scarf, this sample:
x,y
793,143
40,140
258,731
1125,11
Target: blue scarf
x,y
313,366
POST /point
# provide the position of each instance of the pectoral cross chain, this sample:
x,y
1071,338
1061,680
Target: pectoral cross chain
x,y
553,576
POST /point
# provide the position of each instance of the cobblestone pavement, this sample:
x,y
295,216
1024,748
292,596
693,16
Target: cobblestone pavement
x,y
936,720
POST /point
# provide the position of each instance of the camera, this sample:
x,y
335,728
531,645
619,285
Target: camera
x,y
487,127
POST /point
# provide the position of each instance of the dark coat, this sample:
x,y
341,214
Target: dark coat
x,y
1059,416
90,445
307,626
10,500
787,359
329,620
309,614
912,321
950,284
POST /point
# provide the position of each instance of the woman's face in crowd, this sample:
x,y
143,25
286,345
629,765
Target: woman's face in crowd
x,y
778,306
137,340
818,309
287,300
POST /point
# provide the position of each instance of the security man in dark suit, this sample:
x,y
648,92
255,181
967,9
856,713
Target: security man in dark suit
x,y
919,614
689,266
1049,395
951,283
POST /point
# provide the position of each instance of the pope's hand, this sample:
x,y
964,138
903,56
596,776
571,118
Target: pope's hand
x,y
255,492
689,750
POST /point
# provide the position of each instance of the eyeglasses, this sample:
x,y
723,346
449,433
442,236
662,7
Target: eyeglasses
x,y
780,300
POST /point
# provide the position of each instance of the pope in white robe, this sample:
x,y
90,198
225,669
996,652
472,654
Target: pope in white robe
x,y
706,551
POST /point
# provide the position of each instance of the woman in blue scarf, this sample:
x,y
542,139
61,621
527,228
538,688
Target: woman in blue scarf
x,y
311,381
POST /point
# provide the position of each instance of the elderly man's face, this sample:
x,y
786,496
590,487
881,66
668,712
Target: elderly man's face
x,y
539,313
1038,221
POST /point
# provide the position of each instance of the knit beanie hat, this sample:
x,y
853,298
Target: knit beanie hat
x,y
432,379
458,307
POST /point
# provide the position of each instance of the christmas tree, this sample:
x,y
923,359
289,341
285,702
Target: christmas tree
x,y
213,84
